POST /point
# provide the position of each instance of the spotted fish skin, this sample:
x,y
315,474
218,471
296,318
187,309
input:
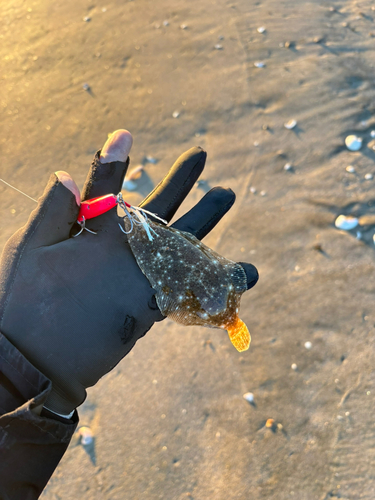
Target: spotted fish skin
x,y
194,285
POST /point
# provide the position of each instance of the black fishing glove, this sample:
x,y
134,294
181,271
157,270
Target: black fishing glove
x,y
74,307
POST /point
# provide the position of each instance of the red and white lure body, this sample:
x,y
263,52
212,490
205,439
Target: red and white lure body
x,y
97,206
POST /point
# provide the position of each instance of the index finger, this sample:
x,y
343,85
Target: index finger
x,y
168,195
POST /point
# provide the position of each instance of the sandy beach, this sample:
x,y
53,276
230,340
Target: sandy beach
x,y
170,422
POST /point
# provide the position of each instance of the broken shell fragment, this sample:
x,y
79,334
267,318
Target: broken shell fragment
x,y
346,222
86,436
353,142
290,124
270,423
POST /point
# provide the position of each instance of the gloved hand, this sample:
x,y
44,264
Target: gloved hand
x,y
74,307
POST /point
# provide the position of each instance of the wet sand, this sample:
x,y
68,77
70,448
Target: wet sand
x,y
170,421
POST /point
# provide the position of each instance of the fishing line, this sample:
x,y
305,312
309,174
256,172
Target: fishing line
x,y
10,185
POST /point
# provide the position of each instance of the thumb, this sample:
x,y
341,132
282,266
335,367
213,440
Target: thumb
x,y
56,212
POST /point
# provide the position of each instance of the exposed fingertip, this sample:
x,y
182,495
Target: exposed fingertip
x,y
117,147
69,183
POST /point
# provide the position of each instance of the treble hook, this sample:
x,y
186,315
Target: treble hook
x,y
82,223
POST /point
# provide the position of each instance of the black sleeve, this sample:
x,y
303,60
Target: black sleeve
x,y
31,446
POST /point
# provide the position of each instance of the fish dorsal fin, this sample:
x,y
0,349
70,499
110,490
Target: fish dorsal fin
x,y
239,335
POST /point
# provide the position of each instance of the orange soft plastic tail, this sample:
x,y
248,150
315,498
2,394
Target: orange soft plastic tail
x,y
239,335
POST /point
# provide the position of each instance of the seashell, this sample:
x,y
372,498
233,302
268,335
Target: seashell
x,y
260,64
346,222
308,345
350,169
135,174
261,29
193,284
218,46
253,189
129,185
263,193
270,423
151,159
288,166
86,435
290,124
176,114
249,396
165,23
353,142
369,176
87,19
294,366
183,26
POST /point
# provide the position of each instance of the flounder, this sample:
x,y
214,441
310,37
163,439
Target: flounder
x,y
194,285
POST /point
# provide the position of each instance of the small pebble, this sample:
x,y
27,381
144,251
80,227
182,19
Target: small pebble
x,y
372,133
86,436
253,190
353,143
317,39
183,26
256,144
368,177
165,23
261,29
220,37
288,166
260,64
217,435
294,367
350,169
218,46
86,87
359,235
263,193
289,44
176,114
308,345
346,222
265,127
249,396
104,9
87,19
290,124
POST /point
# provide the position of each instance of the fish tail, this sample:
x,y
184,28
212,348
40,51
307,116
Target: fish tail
x,y
239,335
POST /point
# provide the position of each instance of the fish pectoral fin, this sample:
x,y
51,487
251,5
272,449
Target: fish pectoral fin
x,y
239,335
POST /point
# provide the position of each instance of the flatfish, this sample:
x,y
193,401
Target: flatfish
x,y
194,285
